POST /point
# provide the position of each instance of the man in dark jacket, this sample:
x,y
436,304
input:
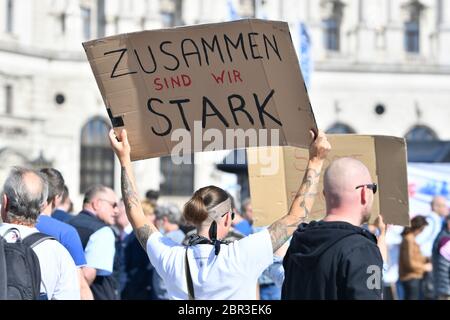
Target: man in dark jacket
x,y
93,223
335,258
441,265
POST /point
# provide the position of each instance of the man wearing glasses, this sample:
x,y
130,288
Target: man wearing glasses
x,y
98,239
335,258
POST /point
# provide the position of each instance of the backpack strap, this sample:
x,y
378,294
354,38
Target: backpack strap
x,y
193,240
11,230
190,284
36,238
3,276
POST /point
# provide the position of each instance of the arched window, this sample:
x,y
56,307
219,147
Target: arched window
x,y
340,127
96,156
421,133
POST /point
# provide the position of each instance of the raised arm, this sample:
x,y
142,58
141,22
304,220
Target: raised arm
x,y
130,196
281,230
382,228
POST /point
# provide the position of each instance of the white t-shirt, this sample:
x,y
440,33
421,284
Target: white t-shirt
x,y
59,275
230,275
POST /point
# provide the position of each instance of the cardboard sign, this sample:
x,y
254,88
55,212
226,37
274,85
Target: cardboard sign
x,y
384,156
243,74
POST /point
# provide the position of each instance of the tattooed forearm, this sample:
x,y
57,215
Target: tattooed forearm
x,y
311,176
310,180
134,210
142,235
280,232
130,198
304,207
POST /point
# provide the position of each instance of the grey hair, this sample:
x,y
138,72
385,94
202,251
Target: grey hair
x,y
24,204
92,192
244,204
171,211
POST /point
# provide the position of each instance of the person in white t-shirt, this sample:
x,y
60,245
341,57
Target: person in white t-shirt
x,y
216,270
24,196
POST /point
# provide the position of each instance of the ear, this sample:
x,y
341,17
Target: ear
x,y
363,196
227,220
94,204
45,206
53,204
57,200
4,207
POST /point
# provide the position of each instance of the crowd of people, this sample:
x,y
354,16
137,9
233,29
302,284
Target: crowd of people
x,y
418,261
131,248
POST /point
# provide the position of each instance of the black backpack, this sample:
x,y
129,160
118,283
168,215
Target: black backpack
x,y
20,273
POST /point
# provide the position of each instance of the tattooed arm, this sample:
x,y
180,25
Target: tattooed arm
x,y
281,230
133,207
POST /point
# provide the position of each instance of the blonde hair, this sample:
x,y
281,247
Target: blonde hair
x,y
147,207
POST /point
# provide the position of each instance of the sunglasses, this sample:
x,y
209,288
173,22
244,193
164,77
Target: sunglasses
x,y
371,186
111,203
232,215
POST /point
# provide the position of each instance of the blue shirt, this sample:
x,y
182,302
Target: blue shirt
x,y
61,215
65,234
244,227
100,251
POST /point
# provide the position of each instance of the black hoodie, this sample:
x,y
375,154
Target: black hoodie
x,y
332,260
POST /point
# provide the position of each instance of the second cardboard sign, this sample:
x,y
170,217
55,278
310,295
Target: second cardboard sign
x,y
272,191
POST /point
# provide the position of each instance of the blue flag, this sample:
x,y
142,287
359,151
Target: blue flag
x,y
232,12
305,54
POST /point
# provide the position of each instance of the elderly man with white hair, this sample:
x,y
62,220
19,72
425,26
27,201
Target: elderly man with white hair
x,y
24,196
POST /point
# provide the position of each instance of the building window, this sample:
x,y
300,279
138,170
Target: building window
x,y
8,99
177,179
412,12
246,8
62,20
412,36
331,34
340,127
116,24
86,22
9,16
168,19
143,22
421,133
101,20
332,12
96,156
171,12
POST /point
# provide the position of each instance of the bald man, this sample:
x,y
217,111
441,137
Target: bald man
x,y
335,258
435,219
439,205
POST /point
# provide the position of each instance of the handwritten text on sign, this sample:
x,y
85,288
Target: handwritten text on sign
x,y
187,53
